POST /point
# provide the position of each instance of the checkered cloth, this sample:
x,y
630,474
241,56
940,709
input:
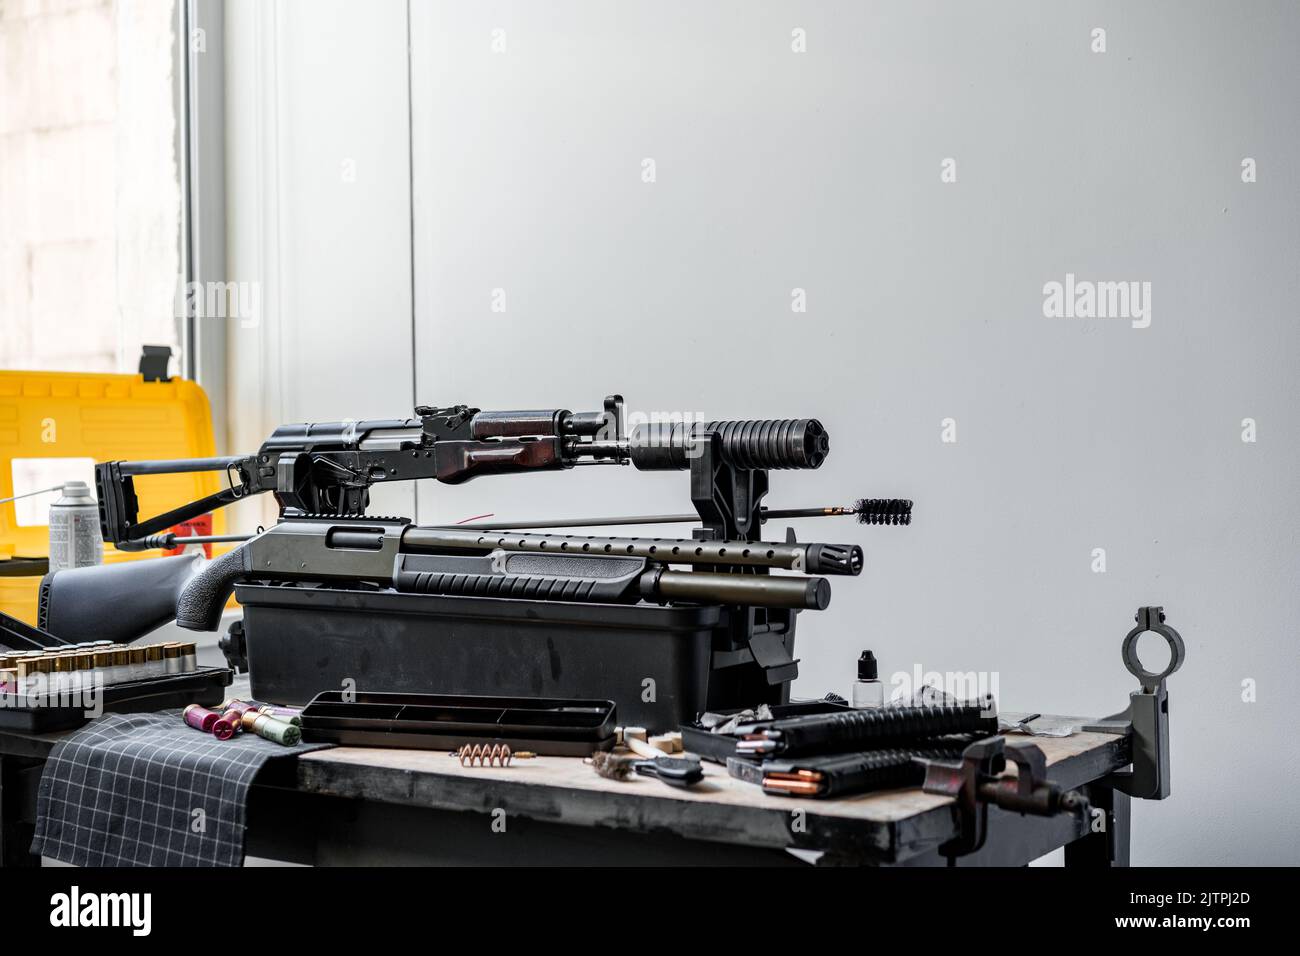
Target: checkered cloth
x,y
149,790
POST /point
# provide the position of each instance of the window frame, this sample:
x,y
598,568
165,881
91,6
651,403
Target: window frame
x,y
199,60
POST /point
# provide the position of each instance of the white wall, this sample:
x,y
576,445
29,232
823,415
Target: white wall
x,y
821,170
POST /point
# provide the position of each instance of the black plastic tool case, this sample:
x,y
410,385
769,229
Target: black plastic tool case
x,y
656,663
204,686
559,728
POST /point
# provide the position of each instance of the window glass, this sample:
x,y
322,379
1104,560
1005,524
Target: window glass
x,y
89,188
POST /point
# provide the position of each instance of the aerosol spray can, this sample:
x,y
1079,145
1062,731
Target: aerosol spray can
x,y
74,529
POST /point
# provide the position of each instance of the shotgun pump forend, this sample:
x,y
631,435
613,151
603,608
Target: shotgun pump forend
x,y
391,552
328,468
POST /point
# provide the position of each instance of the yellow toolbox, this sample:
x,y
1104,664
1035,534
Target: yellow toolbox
x,y
55,425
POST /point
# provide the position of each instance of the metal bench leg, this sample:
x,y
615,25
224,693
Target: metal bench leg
x,y
16,829
1107,843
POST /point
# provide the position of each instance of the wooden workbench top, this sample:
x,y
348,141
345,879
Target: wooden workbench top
x,y
890,826
566,790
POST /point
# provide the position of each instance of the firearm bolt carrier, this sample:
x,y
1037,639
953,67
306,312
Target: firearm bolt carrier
x,y
393,553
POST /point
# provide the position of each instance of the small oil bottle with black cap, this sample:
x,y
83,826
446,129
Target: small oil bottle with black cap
x,y
867,689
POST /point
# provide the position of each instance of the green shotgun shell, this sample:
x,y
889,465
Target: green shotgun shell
x,y
266,726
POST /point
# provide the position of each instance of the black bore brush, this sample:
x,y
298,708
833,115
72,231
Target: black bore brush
x,y
883,510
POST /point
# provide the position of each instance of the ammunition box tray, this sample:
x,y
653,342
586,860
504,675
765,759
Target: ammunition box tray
x,y
205,686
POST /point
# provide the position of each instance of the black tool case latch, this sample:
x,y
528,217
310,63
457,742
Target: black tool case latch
x,y
771,654
153,362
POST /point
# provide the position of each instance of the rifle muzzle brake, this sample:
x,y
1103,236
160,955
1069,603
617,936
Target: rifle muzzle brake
x,y
761,443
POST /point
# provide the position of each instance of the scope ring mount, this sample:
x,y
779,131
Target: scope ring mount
x,y
1152,619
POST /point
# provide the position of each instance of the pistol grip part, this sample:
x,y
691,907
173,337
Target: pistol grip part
x,y
204,597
